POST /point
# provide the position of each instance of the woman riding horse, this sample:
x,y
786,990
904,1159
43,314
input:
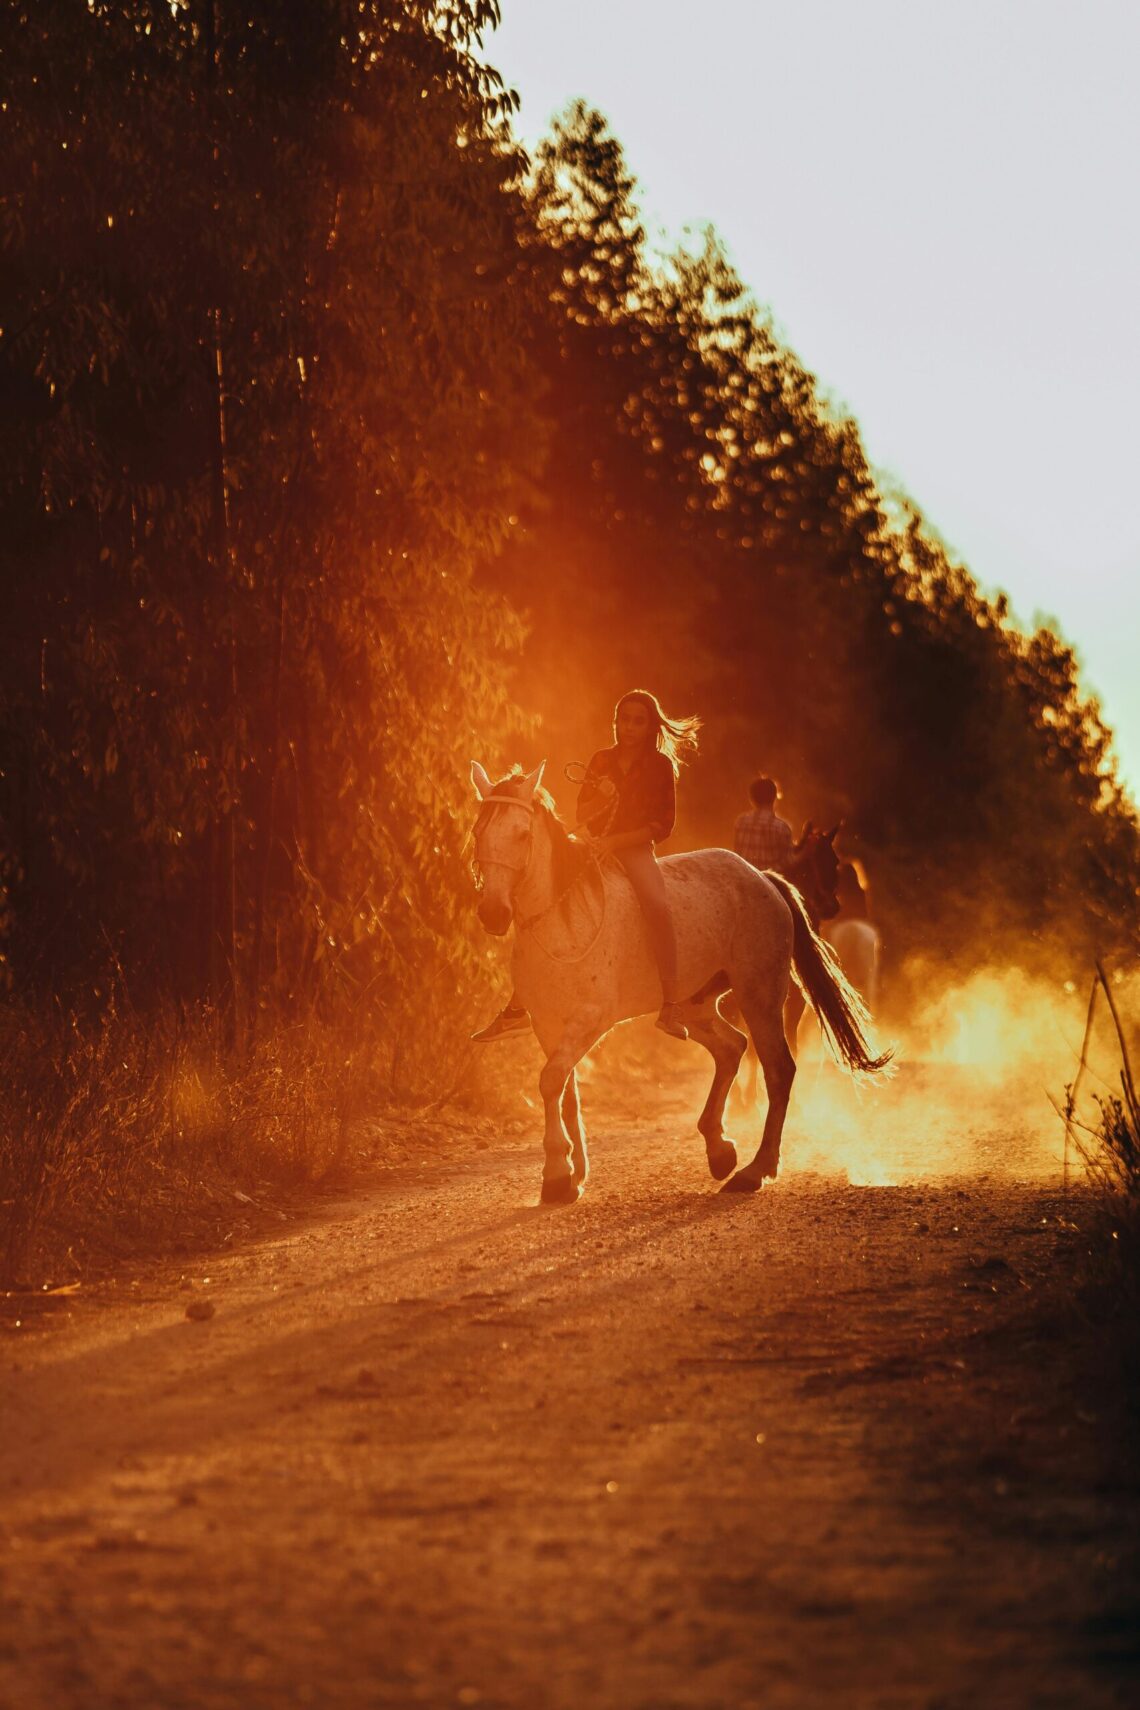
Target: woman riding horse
x,y
579,975
626,805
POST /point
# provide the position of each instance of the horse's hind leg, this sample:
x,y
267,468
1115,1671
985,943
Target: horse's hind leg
x,y
726,1046
742,1092
795,1005
572,1117
747,1081
765,1023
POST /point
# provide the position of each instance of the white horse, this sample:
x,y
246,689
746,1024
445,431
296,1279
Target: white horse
x,y
582,963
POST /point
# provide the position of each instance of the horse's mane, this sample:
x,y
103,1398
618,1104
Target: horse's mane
x,y
568,858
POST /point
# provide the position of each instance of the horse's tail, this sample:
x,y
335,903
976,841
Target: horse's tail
x,y
842,1013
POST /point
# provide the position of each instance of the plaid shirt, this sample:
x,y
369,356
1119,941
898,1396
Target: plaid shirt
x,y
763,838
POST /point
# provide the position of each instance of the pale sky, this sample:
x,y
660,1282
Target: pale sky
x,y
940,206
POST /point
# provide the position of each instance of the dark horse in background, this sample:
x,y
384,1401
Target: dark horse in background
x,y
814,871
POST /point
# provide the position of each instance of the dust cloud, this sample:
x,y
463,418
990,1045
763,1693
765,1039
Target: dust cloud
x,y
981,1064
978,1063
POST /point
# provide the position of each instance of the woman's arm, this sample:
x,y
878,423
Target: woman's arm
x,y
595,796
663,800
661,803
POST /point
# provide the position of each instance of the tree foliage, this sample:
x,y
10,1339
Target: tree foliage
x,y
310,406
711,526
266,405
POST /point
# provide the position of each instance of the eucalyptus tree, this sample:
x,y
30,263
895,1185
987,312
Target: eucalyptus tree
x,y
712,524
266,405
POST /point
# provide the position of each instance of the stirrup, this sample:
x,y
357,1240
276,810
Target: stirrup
x,y
507,1021
670,1022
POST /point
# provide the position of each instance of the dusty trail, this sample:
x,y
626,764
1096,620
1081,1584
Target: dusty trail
x,y
666,1448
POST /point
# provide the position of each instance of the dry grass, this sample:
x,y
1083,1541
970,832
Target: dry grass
x,y
1109,1148
124,1133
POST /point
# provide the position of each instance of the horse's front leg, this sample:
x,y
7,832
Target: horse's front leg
x,y
564,1163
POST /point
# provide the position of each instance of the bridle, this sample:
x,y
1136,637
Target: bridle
x,y
526,923
511,867
804,874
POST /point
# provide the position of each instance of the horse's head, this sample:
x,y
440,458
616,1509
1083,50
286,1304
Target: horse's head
x,y
814,870
504,838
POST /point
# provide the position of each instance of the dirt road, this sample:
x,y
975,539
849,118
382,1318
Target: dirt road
x,y
666,1448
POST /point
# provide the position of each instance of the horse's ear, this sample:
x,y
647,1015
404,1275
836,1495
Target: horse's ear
x,y
480,782
807,830
534,779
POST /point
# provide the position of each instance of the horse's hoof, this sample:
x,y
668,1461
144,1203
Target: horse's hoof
x,y
769,1167
741,1183
722,1160
559,1190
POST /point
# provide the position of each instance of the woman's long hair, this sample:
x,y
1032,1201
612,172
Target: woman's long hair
x,y
675,737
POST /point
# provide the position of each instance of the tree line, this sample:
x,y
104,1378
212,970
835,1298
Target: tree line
x,y
340,442
709,523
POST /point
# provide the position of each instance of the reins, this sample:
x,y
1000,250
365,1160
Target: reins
x,y
501,801
532,920
529,922
576,773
